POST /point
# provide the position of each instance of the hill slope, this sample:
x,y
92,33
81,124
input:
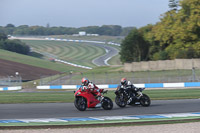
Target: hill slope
x,y
11,56
27,72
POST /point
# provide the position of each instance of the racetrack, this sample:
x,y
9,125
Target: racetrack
x,y
73,52
67,110
103,60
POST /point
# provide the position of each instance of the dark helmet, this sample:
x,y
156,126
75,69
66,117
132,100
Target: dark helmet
x,y
124,81
85,81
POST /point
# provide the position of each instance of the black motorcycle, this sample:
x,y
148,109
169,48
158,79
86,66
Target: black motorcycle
x,y
126,96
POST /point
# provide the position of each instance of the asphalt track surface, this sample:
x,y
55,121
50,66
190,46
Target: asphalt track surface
x,y
67,110
102,60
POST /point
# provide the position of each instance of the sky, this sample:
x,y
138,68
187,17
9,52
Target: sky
x,y
80,13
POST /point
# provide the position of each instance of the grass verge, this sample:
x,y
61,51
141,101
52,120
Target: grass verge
x,y
29,60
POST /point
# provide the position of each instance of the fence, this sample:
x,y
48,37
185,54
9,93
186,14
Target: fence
x,y
10,81
115,77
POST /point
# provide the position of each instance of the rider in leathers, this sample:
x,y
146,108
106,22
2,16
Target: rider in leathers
x,y
130,88
91,87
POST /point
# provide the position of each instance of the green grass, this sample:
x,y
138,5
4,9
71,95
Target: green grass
x,y
174,94
115,60
24,59
36,97
59,97
112,75
116,71
78,53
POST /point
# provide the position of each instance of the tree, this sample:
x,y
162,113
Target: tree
x,y
15,46
116,30
10,25
3,36
177,35
110,30
134,47
48,25
126,31
178,32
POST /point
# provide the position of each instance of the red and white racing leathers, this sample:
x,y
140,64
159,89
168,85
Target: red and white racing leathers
x,y
93,89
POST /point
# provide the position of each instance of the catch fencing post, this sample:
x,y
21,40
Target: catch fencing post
x,y
193,74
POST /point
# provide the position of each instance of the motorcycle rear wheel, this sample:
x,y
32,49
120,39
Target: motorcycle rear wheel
x,y
107,103
80,103
145,100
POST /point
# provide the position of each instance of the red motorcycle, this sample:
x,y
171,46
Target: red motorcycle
x,y
85,99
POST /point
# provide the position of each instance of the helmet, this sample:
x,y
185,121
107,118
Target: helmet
x,y
85,81
123,81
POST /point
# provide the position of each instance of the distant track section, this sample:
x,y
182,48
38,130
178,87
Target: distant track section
x,y
100,61
62,61
103,60
65,62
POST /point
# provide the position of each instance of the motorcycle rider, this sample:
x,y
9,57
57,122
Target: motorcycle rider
x,y
129,87
87,84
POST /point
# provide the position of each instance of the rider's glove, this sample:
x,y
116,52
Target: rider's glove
x,y
136,89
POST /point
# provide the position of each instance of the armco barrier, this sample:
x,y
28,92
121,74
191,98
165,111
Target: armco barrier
x,y
147,85
11,88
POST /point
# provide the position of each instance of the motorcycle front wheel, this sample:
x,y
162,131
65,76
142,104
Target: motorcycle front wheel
x,y
121,101
107,103
145,100
80,103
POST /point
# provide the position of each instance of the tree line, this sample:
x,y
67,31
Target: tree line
x,y
176,35
13,45
110,30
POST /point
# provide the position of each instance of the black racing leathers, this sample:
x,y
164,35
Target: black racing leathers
x,y
130,89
